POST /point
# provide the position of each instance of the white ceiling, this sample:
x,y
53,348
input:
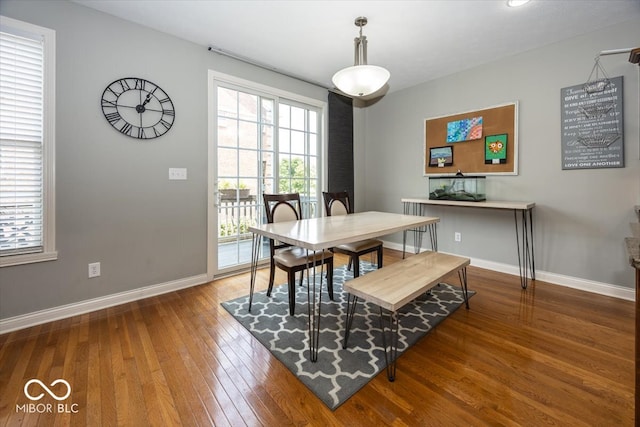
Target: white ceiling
x,y
416,41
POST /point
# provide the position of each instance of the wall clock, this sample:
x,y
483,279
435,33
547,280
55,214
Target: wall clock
x,y
138,108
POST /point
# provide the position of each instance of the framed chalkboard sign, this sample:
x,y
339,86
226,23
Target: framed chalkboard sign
x,y
592,126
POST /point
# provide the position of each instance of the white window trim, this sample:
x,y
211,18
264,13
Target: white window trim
x,y
216,77
49,252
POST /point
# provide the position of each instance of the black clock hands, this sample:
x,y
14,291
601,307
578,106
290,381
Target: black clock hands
x,y
140,107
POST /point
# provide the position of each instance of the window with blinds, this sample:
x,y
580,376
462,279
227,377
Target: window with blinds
x,y
24,138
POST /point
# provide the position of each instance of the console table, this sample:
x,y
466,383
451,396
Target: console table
x,y
522,214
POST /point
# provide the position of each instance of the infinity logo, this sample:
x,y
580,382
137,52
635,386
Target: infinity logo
x,y
47,389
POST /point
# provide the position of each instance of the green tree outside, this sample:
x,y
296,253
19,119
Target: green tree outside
x,y
292,177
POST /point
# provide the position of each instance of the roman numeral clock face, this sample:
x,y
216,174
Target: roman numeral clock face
x,y
138,108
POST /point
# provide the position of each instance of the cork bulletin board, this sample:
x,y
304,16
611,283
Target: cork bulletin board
x,y
474,142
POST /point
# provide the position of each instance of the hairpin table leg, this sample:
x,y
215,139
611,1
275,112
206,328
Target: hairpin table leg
x,y
524,243
352,302
391,355
314,300
255,252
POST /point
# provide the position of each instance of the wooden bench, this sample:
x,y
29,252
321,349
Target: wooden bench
x,y
394,286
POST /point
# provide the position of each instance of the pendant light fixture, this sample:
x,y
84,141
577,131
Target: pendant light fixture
x,y
361,79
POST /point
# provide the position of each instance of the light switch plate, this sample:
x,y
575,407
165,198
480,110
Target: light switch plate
x,y
177,174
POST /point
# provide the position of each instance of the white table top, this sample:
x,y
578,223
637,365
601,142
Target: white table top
x,y
330,231
493,204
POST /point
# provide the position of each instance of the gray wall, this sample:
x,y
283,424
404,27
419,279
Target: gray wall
x,y
115,205
581,216
114,202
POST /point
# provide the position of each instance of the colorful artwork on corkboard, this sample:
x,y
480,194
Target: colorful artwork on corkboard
x,y
495,149
464,130
440,156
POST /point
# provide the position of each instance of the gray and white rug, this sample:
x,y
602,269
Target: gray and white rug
x,y
338,373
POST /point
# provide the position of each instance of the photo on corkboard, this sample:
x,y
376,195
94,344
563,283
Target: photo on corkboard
x,y
495,151
440,157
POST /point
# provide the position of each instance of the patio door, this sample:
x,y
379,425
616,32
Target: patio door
x,y
263,144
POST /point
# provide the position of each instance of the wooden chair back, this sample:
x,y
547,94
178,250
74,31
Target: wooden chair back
x,y
336,203
282,207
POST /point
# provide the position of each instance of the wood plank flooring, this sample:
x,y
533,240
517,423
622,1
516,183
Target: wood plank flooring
x,y
549,355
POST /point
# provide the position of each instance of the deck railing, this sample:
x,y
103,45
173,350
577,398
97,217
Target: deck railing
x,y
237,214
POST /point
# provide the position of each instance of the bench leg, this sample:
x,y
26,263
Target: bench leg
x,y
391,355
351,309
433,236
462,275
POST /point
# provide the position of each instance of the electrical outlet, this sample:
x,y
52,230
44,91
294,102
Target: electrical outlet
x,y
457,237
94,269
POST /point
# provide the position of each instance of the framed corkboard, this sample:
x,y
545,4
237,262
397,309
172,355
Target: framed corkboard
x,y
465,133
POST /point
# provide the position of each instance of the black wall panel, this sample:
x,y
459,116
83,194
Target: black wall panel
x,y
340,144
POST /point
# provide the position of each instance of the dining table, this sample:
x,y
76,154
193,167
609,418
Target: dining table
x,y
323,233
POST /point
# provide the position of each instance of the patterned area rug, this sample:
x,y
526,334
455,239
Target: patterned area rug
x,y
338,373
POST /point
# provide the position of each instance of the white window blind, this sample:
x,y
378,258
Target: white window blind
x,y
21,143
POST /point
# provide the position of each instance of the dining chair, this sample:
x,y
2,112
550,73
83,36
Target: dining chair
x,y
292,259
339,203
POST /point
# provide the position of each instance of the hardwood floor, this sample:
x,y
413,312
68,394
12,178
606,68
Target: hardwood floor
x,y
549,355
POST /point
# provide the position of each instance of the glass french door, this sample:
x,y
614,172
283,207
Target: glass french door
x,y
263,144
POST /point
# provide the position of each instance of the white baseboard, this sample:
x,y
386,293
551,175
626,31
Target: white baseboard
x,y
557,279
48,315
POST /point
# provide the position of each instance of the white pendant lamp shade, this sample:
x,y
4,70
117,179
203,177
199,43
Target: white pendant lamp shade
x,y
361,79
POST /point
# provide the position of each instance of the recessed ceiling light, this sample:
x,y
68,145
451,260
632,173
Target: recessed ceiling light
x,y
516,3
